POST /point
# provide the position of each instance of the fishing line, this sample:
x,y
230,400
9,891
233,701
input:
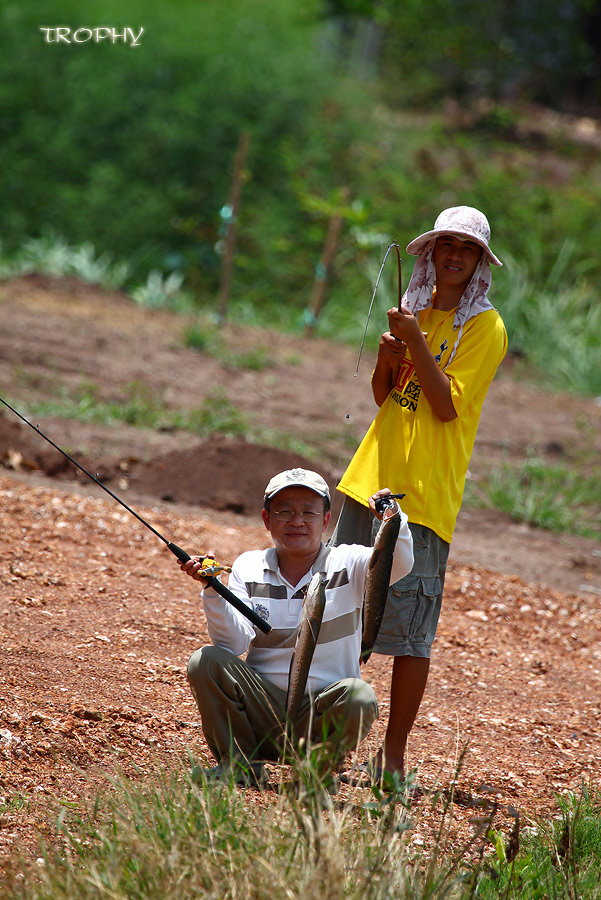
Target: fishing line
x,y
399,262
221,589
347,418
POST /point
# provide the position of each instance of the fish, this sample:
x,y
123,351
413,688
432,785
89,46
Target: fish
x,y
307,634
377,579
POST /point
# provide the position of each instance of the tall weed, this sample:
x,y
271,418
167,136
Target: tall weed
x,y
171,836
555,323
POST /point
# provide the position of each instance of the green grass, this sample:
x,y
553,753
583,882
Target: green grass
x,y
139,407
208,338
135,406
553,320
559,858
162,836
555,498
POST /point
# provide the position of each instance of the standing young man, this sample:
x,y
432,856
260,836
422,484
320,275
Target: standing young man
x,y
433,371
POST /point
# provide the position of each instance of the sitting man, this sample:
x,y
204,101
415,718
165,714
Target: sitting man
x,y
242,703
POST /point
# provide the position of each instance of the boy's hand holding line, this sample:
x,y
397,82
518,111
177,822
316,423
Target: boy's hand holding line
x,y
434,383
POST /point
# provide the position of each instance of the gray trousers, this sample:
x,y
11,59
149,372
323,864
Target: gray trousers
x,y
243,713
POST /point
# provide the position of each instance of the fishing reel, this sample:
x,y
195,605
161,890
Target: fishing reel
x,y
383,503
210,566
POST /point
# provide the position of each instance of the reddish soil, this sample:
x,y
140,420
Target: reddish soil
x,y
97,623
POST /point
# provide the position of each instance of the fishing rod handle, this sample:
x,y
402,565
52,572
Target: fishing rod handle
x,y
221,589
181,554
238,604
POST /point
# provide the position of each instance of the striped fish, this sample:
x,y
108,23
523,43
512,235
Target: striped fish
x,y
377,579
306,640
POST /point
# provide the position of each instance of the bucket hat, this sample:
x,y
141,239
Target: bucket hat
x,y
464,222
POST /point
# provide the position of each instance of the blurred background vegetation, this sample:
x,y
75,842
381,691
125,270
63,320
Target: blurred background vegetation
x,y
116,162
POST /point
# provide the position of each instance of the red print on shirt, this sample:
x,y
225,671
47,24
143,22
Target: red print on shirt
x,y
406,371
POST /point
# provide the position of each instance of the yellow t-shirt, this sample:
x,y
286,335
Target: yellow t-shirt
x,y
407,448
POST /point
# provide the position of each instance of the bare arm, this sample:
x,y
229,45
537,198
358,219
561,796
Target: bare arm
x,y
385,374
434,383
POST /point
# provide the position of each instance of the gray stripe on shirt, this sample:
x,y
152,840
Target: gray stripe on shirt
x,y
266,591
277,639
340,627
332,630
337,579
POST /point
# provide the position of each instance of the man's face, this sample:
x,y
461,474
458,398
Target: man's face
x,y
455,260
296,520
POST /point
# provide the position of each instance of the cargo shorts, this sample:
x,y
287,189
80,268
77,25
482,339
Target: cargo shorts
x,y
414,603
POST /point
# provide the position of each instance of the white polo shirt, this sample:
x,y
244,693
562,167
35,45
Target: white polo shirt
x,y
257,580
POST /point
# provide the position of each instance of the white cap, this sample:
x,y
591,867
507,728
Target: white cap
x,y
297,478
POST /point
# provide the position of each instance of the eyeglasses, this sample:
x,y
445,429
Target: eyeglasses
x,y
307,515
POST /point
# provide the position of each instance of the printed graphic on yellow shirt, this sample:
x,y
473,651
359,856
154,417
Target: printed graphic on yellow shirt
x,y
407,388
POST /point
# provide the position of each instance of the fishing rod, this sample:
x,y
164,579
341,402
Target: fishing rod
x,y
373,297
183,557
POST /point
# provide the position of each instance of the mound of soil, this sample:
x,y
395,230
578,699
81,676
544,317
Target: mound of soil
x,y
18,450
219,473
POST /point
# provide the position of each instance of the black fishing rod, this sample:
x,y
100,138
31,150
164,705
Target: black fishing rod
x,y
183,557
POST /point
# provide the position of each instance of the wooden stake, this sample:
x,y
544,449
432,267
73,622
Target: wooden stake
x,y
322,269
230,238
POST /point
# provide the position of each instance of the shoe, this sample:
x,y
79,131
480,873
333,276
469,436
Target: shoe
x,y
326,787
251,775
362,775
370,774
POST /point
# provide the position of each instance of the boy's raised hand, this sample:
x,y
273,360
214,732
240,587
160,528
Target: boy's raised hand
x,y
404,326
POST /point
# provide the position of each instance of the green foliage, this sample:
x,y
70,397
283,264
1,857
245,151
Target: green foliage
x,y
207,338
218,414
109,152
555,321
539,48
553,497
132,147
161,292
51,255
138,406
559,858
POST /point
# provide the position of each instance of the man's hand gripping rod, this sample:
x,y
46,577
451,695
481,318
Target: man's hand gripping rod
x,y
221,589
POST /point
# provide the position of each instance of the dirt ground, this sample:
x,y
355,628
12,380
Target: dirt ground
x,y
97,624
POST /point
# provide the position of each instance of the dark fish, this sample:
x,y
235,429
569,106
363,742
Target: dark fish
x,y
306,640
377,580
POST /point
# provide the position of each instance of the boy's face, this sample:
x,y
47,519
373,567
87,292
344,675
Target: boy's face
x,y
455,260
